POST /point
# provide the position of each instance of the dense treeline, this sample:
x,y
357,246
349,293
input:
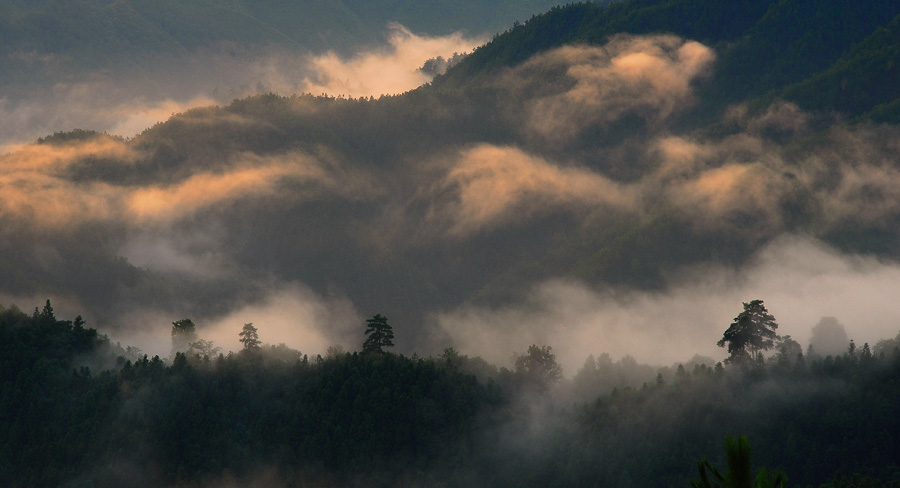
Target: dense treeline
x,y
150,423
76,411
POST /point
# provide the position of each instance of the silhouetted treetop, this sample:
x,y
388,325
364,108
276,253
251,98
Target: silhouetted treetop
x,y
379,335
752,331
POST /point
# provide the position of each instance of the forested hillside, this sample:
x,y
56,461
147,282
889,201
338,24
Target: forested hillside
x,y
121,66
832,56
271,415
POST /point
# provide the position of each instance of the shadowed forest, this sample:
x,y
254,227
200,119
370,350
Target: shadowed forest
x,y
81,411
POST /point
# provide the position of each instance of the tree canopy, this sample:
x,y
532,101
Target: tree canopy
x,y
250,337
538,368
184,333
379,335
752,331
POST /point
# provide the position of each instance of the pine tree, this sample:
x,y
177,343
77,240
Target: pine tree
x,y
752,331
378,335
184,333
250,338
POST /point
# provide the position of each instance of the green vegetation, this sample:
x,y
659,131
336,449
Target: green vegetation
x,y
78,410
739,474
832,56
379,335
751,333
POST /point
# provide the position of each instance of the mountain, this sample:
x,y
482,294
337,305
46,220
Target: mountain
x,y
863,82
764,47
588,157
121,66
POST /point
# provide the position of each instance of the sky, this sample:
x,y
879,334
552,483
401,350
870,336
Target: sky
x,y
123,105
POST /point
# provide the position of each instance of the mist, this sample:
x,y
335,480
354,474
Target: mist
x,y
287,313
388,70
799,278
340,208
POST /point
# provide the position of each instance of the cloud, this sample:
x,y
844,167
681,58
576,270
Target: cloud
x,y
34,190
192,255
125,103
778,168
774,174
206,189
103,105
130,120
492,183
384,71
646,75
800,280
38,190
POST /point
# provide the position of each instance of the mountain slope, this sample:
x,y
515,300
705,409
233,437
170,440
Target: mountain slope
x,y
531,162
762,45
864,79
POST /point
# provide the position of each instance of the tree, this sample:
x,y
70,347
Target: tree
x,y
202,348
739,474
44,316
538,367
47,312
752,331
451,358
250,337
184,334
829,337
379,335
887,347
789,351
335,351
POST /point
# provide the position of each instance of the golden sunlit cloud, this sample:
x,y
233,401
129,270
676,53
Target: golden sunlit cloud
x,y
248,176
714,193
742,182
504,183
203,190
386,71
37,190
647,75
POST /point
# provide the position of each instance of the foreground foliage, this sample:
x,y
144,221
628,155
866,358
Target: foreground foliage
x,y
739,473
